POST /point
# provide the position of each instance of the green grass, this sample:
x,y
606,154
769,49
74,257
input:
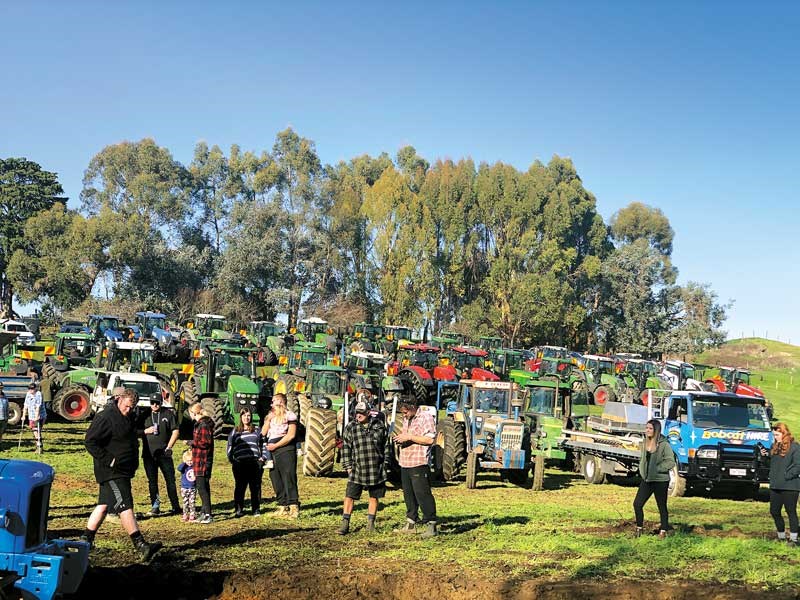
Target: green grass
x,y
572,530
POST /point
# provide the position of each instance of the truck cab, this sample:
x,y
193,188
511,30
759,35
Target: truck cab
x,y
146,386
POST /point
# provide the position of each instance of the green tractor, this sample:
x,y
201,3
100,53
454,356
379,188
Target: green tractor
x,y
366,337
642,375
316,330
604,384
290,378
270,338
544,366
366,371
71,350
447,340
12,358
224,381
206,329
490,343
397,336
321,404
553,403
503,360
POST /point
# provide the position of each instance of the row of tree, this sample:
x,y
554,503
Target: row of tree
x,y
486,249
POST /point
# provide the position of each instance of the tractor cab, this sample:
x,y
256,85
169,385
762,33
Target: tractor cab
x,y
471,362
446,340
502,360
326,386
259,331
366,370
128,357
105,327
71,350
313,329
150,321
398,334
490,343
681,376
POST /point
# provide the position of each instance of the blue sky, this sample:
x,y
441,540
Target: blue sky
x,y
690,107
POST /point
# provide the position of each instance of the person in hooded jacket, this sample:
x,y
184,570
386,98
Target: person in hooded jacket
x,y
112,442
655,464
784,481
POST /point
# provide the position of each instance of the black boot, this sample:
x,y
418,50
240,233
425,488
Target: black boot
x,y
147,551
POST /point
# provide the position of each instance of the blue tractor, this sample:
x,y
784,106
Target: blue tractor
x,y
154,327
36,566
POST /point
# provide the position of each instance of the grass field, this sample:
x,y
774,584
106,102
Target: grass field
x,y
570,540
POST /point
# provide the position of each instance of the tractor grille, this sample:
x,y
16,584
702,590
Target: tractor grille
x,y
511,437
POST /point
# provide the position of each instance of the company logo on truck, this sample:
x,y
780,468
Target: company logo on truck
x,y
734,436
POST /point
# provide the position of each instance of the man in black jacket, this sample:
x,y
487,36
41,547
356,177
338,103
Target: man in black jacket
x,y
112,442
160,431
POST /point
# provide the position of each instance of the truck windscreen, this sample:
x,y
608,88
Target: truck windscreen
x,y
736,414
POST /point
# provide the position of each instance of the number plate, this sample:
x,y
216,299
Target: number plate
x,y
738,472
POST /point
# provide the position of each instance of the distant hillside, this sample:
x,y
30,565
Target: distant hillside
x,y
757,354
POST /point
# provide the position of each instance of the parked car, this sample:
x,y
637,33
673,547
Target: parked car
x,y
73,327
24,335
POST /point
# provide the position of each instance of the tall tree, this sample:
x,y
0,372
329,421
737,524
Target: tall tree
x,y
210,177
25,190
640,221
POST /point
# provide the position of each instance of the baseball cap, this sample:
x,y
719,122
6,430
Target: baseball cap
x,y
31,386
362,407
156,400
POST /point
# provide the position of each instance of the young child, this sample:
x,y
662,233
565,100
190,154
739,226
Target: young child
x,y
268,462
188,487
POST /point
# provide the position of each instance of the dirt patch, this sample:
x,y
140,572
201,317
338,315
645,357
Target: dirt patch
x,y
395,582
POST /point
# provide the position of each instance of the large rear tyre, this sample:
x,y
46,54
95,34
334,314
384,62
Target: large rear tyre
x,y
472,471
216,408
604,394
320,448
14,413
590,466
305,405
420,391
450,450
48,371
72,403
270,359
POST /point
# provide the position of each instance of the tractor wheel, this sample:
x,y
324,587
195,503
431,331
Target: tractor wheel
x,y
538,473
174,381
186,396
216,408
285,385
451,448
48,371
72,403
293,403
199,368
472,471
592,473
604,394
305,405
269,357
320,448
14,413
677,483
420,391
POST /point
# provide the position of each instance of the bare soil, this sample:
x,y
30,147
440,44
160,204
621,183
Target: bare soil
x,y
396,582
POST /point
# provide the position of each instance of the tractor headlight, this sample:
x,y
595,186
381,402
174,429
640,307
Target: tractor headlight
x,y
253,402
238,395
707,453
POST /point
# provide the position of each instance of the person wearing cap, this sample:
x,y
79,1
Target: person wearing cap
x,y
246,453
3,414
415,441
160,432
35,412
363,455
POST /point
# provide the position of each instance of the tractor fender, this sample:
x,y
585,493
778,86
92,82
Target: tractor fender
x,y
419,373
749,390
719,385
483,375
445,373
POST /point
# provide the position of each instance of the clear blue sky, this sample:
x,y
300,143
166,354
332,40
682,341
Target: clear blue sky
x,y
690,107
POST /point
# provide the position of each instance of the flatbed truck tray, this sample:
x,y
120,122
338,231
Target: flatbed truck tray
x,y
615,447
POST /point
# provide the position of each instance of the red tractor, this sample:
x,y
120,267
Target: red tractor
x,y
423,367
733,379
470,363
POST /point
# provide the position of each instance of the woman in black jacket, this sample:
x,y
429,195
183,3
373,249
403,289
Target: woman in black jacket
x,y
655,463
784,481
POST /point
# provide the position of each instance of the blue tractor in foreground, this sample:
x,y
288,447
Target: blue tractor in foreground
x,y
36,566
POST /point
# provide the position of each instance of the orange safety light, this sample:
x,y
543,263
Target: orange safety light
x,y
188,369
49,350
283,360
196,353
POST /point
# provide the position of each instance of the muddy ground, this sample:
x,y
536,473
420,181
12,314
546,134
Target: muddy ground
x,y
397,582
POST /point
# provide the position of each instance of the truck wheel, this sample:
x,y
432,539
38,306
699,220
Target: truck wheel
x,y
604,394
72,403
305,406
590,466
677,484
450,449
538,473
472,471
320,448
14,413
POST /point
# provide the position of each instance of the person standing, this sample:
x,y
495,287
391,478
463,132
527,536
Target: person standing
x,y
112,442
784,481
160,434
35,411
363,455
246,453
188,487
3,414
655,464
415,441
281,432
202,458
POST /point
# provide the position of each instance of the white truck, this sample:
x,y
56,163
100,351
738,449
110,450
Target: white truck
x,y
20,329
145,385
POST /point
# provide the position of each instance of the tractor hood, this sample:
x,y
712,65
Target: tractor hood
x,y
445,373
26,470
744,389
483,375
241,384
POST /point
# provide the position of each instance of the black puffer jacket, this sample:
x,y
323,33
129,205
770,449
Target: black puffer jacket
x,y
784,471
112,442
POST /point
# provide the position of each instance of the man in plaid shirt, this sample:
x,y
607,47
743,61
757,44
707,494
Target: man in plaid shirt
x,y
363,453
416,440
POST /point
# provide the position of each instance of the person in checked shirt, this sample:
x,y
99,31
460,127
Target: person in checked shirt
x,y
415,440
363,453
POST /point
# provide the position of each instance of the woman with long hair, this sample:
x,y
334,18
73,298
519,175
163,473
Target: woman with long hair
x,y
784,480
245,451
280,431
655,464
202,457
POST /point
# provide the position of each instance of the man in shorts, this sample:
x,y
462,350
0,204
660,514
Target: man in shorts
x,y
363,453
111,440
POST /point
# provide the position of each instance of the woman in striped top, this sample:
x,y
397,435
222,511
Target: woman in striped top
x,y
246,453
